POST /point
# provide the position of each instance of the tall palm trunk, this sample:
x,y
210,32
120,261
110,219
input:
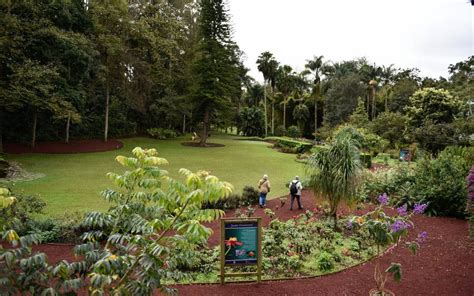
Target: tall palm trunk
x,y
284,113
35,122
265,105
273,118
315,117
107,102
373,103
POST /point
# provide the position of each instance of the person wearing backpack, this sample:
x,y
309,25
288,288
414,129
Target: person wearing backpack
x,y
263,188
295,192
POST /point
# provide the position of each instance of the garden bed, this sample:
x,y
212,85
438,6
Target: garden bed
x,y
443,266
79,146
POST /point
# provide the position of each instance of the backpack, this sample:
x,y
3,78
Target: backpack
x,y
294,188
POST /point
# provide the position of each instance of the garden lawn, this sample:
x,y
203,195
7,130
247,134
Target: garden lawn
x,y
73,182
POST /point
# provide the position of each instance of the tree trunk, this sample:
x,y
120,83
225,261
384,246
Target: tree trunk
x,y
368,106
315,117
334,215
35,121
107,101
284,113
273,118
373,103
205,129
67,127
184,124
265,106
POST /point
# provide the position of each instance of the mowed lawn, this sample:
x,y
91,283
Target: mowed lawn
x,y
72,182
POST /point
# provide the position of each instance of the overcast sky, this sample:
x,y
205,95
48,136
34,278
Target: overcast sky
x,y
427,34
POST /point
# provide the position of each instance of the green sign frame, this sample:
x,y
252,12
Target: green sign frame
x,y
241,244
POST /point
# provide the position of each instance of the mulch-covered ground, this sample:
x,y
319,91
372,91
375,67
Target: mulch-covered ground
x,y
443,266
78,146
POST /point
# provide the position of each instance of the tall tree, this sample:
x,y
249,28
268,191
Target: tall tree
x,y
315,66
112,22
216,72
267,64
286,83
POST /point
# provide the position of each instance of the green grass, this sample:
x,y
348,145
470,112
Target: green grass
x,y
73,182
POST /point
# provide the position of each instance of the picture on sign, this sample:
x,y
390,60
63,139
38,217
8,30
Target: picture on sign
x,y
405,155
241,242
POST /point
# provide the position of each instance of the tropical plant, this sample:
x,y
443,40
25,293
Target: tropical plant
x,y
315,65
251,122
334,171
268,65
142,230
386,230
301,114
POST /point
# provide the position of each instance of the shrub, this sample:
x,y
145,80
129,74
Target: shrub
x,y
21,211
280,131
162,133
250,195
250,121
470,201
325,261
294,132
440,183
67,228
292,146
366,159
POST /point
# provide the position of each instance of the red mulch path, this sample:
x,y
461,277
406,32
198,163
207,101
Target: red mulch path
x,y
79,146
443,266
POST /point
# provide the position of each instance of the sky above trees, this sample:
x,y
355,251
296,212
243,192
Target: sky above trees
x,y
427,34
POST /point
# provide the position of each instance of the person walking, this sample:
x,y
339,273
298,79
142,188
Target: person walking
x,y
295,192
263,188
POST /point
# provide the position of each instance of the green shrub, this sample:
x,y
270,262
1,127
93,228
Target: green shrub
x,y
280,131
294,132
292,146
21,212
366,159
250,195
161,133
325,261
441,183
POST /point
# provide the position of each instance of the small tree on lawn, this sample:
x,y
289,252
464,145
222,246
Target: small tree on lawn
x,y
334,171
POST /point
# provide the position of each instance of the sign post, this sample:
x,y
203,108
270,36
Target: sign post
x,y
241,244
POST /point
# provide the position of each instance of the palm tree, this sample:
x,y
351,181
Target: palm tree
x,y
266,64
301,114
273,70
387,76
315,66
334,172
285,81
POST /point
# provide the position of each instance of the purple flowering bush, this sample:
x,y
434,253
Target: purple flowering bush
x,y
385,230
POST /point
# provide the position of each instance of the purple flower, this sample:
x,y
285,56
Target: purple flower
x,y
422,237
349,224
399,225
402,211
419,208
383,199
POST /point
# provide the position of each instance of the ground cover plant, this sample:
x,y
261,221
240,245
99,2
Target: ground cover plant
x,y
72,181
305,245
